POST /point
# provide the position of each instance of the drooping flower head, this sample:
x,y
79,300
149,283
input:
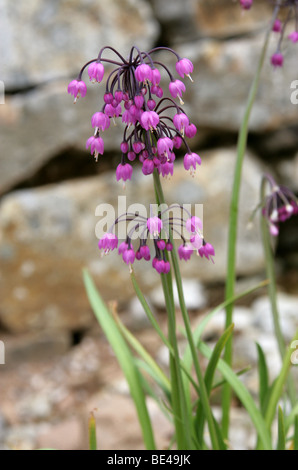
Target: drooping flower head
x,y
155,126
279,205
158,230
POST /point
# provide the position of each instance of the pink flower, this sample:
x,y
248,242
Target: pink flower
x,y
143,72
194,224
196,241
176,89
118,96
184,67
148,167
122,247
108,98
149,120
157,90
139,101
77,88
293,36
161,266
124,147
164,146
97,145
128,118
151,104
185,252
96,72
190,161
161,244
166,168
138,146
180,121
207,250
190,131
112,111
101,121
155,76
123,171
177,141
246,4
108,242
277,59
145,252
277,26
131,156
128,255
154,225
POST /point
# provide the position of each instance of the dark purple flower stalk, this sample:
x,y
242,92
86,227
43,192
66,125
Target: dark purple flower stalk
x,y
278,206
157,228
154,126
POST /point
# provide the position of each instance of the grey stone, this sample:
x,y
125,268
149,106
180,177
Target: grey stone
x,y
223,73
287,307
194,293
46,39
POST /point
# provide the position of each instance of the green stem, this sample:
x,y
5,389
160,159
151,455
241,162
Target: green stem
x,y
182,419
201,382
272,291
233,222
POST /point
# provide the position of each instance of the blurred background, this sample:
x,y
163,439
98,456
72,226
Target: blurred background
x,y
58,366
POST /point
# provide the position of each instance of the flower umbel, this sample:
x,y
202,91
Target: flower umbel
x,y
154,126
278,206
158,229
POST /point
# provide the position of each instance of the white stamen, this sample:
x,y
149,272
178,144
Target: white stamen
x,y
274,216
289,208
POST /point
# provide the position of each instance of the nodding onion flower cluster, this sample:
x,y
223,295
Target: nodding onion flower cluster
x,y
154,126
158,229
279,26
279,205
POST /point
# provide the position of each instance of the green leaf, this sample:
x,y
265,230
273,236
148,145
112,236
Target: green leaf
x,y
295,444
154,370
281,441
209,375
263,379
243,395
290,419
278,386
124,358
92,432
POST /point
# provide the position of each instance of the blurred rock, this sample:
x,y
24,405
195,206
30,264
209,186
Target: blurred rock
x,y
115,413
48,236
223,73
34,346
194,293
242,319
288,172
185,20
287,307
46,39
64,435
